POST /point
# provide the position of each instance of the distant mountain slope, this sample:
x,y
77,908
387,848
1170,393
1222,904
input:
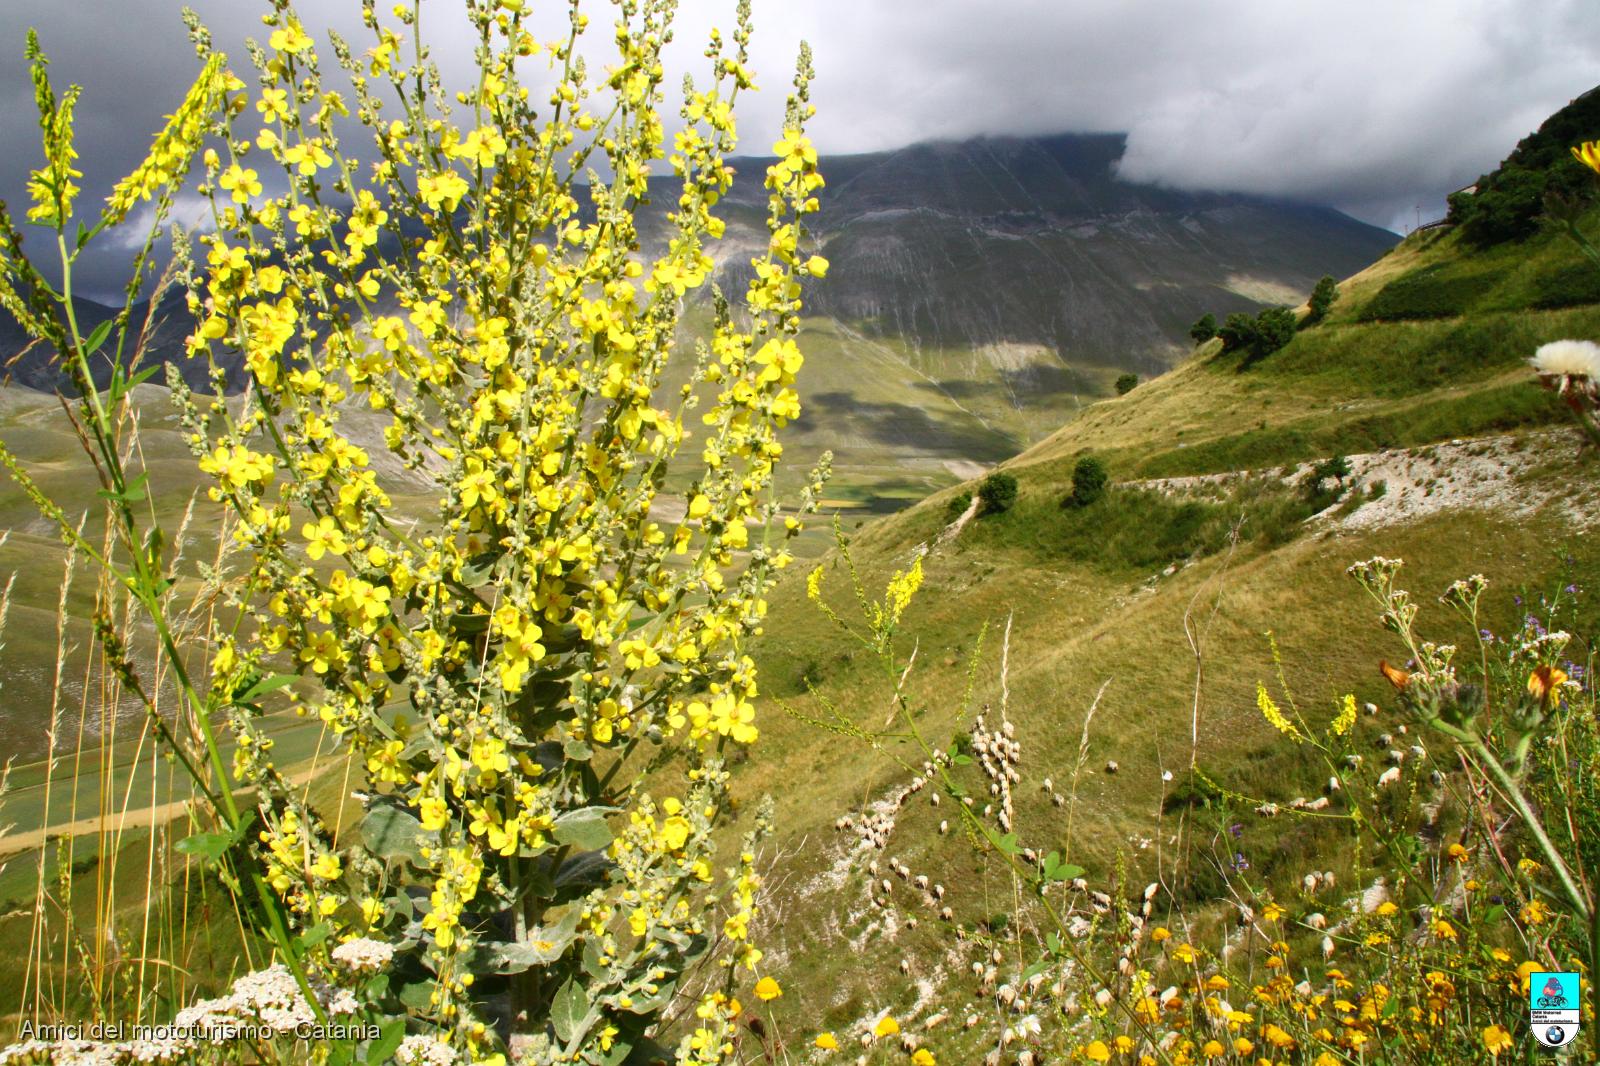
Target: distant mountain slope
x,y
34,366
1037,241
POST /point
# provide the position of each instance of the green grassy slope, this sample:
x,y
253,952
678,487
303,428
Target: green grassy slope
x,y
1354,382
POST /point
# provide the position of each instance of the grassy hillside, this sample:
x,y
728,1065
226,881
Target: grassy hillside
x,y
1159,608
1377,373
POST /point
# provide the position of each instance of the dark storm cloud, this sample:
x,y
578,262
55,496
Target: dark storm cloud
x,y
1370,105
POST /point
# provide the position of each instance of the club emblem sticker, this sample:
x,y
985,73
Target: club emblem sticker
x,y
1553,1007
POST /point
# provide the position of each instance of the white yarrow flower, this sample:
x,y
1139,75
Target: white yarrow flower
x,y
419,1050
363,955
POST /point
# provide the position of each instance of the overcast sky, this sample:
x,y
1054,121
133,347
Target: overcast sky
x,y
1372,106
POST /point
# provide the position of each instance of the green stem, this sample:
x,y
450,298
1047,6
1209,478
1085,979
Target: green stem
x,y
145,583
1518,800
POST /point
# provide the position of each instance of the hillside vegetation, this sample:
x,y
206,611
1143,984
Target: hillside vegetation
x,y
1140,626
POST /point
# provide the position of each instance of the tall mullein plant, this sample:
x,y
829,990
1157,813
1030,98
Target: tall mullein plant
x,y
505,665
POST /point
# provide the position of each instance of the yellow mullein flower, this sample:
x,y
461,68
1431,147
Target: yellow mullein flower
x,y
674,835
273,105
324,536
795,152
242,182
290,38
307,157
442,191
481,146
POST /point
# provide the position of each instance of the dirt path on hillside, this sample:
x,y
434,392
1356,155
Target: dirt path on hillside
x,y
953,530
1483,473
